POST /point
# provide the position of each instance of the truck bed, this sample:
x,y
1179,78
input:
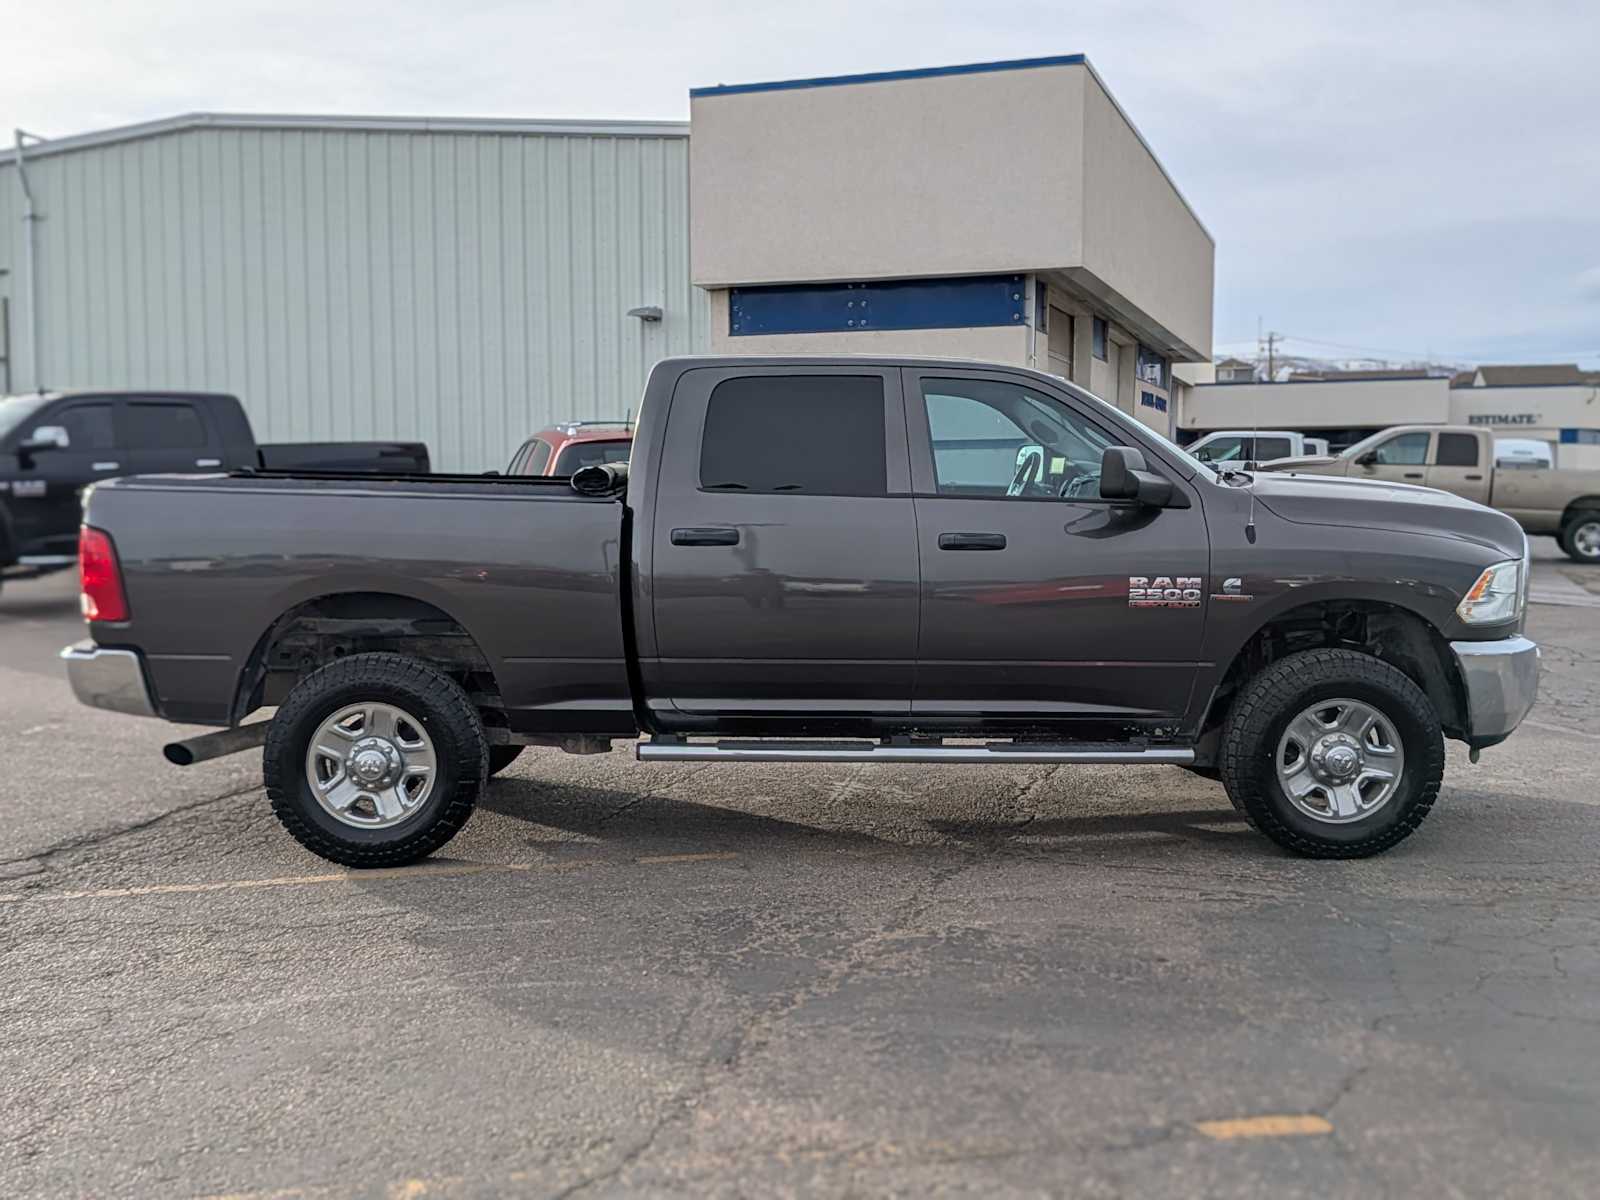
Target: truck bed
x,y
531,569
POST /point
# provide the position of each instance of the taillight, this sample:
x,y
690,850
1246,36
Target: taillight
x,y
102,595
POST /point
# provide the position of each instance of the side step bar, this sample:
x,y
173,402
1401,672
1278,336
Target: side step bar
x,y
674,750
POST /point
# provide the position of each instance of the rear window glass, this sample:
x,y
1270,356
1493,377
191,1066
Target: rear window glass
x,y
1458,450
163,426
591,454
807,434
1268,449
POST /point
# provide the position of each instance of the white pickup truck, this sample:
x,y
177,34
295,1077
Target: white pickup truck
x,y
1255,445
1564,504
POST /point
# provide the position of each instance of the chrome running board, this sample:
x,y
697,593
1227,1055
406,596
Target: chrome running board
x,y
676,750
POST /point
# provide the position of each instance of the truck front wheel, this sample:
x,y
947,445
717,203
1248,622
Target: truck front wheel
x,y
375,760
1333,754
1580,536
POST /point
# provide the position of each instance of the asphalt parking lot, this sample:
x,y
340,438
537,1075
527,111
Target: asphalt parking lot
x,y
774,979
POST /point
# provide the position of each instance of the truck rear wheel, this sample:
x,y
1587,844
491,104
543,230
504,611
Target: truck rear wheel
x,y
1333,754
1580,536
375,760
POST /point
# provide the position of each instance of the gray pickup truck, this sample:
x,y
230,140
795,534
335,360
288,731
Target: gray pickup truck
x,y
818,560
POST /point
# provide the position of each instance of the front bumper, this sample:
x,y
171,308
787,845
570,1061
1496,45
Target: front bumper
x,y
111,679
1502,682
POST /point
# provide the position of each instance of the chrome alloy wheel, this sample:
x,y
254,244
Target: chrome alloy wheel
x,y
371,765
1586,539
1340,760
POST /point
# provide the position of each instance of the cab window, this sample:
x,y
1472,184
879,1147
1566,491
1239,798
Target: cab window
x,y
1222,450
1001,439
1457,450
579,455
1407,450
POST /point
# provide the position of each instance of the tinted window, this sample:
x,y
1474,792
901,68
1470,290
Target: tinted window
x,y
1098,345
538,455
591,454
520,457
1000,439
163,426
1458,450
88,426
1268,449
807,434
1407,450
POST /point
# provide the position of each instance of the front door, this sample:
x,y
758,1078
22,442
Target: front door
x,y
784,575
1040,599
46,504
1402,458
1456,466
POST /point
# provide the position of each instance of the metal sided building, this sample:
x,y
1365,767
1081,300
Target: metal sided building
x,y
467,282
461,282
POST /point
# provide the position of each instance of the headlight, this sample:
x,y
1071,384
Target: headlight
x,y
1497,596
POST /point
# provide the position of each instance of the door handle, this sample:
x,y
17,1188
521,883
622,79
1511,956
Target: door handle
x,y
972,541
208,462
705,535
1413,474
1475,478
106,466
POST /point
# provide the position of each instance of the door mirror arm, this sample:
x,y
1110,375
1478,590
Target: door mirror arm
x,y
1124,476
1369,459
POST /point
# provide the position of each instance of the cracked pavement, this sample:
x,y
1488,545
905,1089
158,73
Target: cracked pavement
x,y
765,979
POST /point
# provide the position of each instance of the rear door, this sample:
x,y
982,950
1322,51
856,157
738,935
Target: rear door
x,y
784,547
1029,608
1457,465
45,500
168,435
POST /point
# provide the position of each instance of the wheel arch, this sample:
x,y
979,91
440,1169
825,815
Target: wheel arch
x,y
1390,632
1578,505
333,625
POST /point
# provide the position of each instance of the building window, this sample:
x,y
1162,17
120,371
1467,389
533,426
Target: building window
x,y
817,435
958,303
1100,337
1152,367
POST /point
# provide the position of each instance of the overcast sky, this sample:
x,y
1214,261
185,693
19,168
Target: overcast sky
x,y
1392,179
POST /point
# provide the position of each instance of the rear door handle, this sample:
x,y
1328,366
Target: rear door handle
x,y
972,541
208,462
1474,478
705,535
1413,474
106,466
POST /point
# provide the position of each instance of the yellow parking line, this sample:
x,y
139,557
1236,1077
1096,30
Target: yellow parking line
x,y
1279,1125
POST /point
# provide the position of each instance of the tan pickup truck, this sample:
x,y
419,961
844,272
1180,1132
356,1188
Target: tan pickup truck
x,y
1563,504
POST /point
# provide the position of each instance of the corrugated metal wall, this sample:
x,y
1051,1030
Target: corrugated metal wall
x,y
460,288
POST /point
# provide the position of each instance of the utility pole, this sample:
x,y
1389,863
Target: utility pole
x,y
1271,340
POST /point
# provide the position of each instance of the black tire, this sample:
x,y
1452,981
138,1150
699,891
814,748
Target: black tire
x,y
449,720
1262,712
1588,521
501,757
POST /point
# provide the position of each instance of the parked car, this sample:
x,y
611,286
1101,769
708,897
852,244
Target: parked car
x,y
983,552
1250,445
1466,461
54,444
567,449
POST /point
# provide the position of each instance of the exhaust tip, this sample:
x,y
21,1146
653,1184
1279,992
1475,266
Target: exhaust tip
x,y
178,754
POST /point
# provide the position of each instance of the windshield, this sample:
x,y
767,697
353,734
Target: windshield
x,y
1167,444
16,411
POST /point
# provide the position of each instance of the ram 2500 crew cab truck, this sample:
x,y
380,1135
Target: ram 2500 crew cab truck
x,y
54,444
819,560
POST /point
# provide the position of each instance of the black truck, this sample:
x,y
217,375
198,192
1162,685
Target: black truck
x,y
818,560
54,444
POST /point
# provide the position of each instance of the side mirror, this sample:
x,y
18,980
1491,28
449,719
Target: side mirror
x,y
46,437
1369,459
1123,477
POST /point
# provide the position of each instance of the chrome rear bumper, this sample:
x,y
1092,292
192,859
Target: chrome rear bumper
x,y
110,679
1502,681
